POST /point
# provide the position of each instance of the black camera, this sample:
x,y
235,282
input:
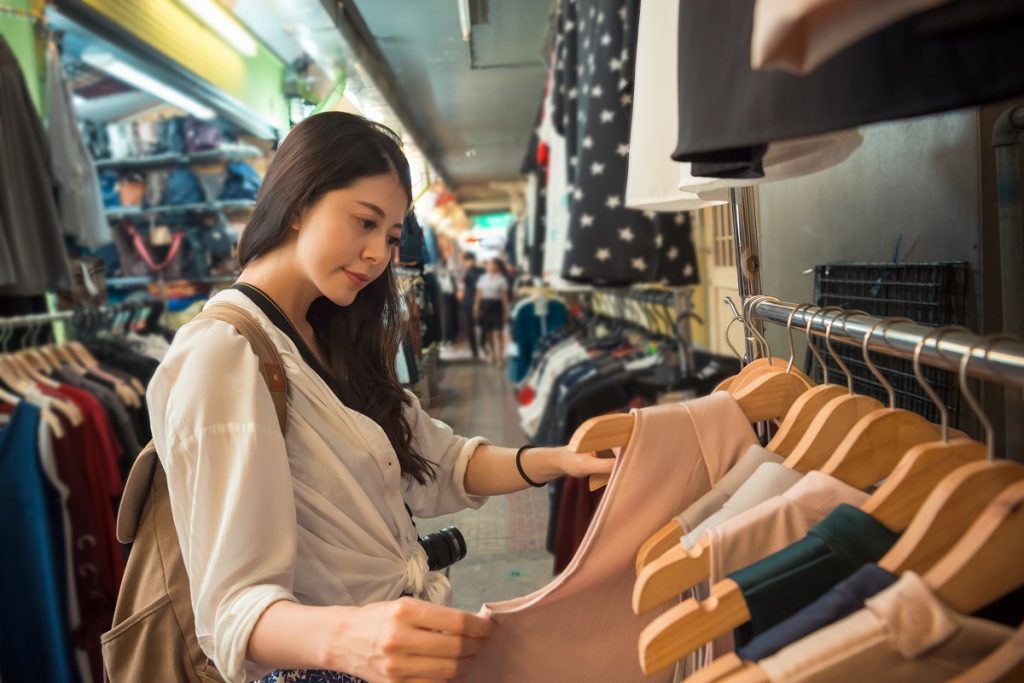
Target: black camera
x,y
444,548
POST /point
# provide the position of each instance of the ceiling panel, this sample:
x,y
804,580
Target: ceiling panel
x,y
476,101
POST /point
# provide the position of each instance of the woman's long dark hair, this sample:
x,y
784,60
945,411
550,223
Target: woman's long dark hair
x,y
326,152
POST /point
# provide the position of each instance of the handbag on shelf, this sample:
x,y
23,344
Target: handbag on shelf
x,y
131,189
183,187
201,136
242,182
156,188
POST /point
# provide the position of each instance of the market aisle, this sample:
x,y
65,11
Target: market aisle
x,y
505,538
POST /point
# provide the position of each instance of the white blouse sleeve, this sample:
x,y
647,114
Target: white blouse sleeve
x,y
230,486
450,454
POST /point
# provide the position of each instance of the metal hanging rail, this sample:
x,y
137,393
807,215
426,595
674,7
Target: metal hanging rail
x,y
1002,362
38,319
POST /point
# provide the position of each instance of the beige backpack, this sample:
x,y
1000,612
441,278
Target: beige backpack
x,y
153,635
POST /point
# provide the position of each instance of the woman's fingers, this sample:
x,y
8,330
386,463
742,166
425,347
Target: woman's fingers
x,y
434,644
449,620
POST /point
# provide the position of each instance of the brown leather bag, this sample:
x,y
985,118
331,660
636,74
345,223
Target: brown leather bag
x,y
153,635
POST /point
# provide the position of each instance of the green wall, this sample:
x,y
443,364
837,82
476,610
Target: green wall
x,y
26,39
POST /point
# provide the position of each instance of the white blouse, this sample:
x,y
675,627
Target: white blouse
x,y
316,518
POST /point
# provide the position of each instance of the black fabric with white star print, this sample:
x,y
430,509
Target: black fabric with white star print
x,y
608,243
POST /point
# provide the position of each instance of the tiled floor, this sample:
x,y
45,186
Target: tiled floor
x,y
505,537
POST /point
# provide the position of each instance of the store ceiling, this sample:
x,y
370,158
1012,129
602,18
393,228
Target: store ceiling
x,y
476,102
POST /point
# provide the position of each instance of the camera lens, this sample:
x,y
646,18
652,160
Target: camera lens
x,y
444,548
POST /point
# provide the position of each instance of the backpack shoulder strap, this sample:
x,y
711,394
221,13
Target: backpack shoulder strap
x,y
271,366
136,487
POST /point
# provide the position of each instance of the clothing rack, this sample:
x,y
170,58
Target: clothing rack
x,y
1000,361
39,319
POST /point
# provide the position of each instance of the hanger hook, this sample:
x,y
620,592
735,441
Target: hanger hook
x,y
842,315
884,324
919,373
789,333
728,341
985,344
810,342
748,310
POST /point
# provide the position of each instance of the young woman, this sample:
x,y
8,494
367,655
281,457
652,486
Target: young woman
x,y
300,548
491,309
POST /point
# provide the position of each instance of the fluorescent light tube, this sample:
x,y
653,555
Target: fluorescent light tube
x,y
214,15
464,19
109,64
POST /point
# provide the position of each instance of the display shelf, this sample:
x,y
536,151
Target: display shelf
x,y
223,205
227,153
138,282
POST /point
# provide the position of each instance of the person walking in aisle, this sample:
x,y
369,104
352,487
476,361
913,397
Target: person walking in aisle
x,y
300,548
491,309
469,279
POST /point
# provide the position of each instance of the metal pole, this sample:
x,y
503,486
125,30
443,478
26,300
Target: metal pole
x,y
1006,134
746,228
1002,363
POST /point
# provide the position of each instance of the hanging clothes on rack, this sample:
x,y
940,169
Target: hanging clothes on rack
x,y
533,318
80,453
798,36
593,95
729,112
789,555
32,258
79,200
658,183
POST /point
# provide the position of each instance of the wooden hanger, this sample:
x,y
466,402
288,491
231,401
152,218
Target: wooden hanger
x,y
833,423
667,576
981,567
1005,664
958,499
602,433
876,443
719,670
944,516
684,627
801,415
660,542
921,469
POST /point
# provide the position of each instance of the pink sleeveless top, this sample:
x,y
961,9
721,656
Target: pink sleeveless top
x,y
580,627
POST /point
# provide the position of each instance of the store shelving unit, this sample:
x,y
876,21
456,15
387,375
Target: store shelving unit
x,y
230,152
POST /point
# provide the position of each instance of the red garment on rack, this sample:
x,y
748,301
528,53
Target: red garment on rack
x,y
575,511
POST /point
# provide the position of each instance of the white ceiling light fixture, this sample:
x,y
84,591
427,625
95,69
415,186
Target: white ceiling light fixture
x,y
214,15
122,71
464,19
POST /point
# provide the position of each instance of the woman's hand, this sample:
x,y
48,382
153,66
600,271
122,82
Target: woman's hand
x,y
406,640
582,464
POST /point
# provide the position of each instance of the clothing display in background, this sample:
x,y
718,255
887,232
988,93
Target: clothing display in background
x,y
78,188
679,450
608,243
920,65
798,35
556,222
531,237
532,319
32,255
